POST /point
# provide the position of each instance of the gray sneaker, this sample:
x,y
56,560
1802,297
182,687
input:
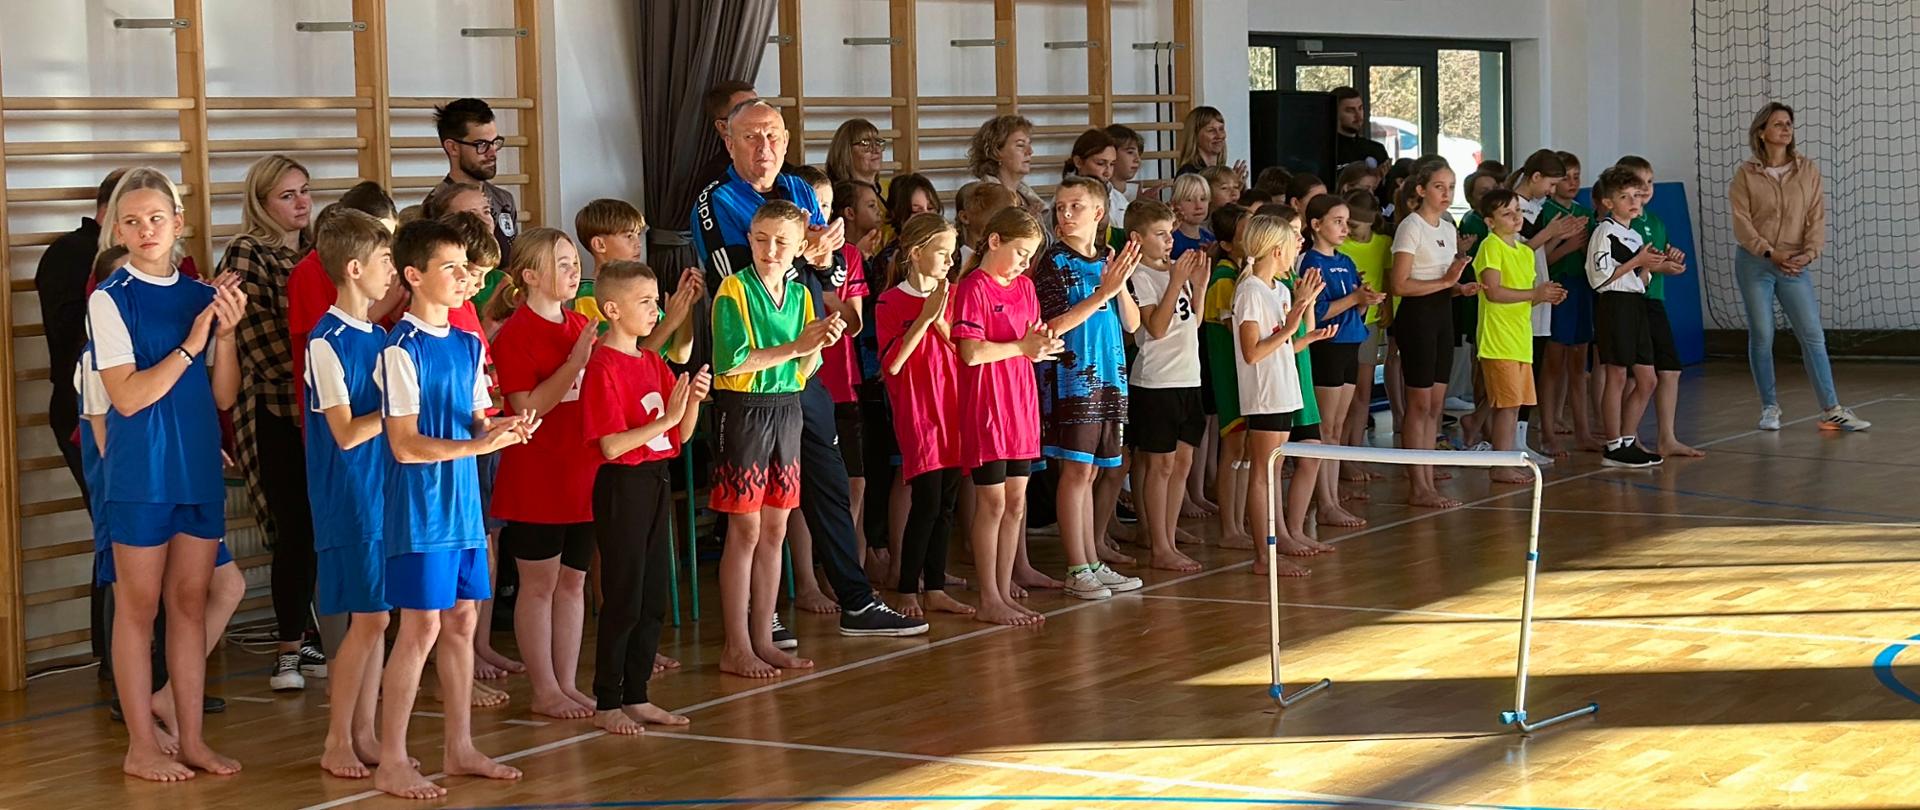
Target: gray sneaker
x,y
1116,581
1085,585
1770,418
1839,418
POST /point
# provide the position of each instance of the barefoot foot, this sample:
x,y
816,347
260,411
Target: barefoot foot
x,y
1173,560
1109,552
470,762
202,758
812,600
154,766
1237,541
486,697
1029,578
560,707
1002,614
746,665
1286,567
1432,500
782,659
662,663
406,782
1508,475
649,713
488,655
1340,517
341,761
1184,537
1675,449
615,721
485,671
908,605
940,601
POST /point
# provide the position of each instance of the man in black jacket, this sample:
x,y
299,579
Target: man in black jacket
x,y
61,281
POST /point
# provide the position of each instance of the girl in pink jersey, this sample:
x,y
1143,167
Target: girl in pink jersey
x,y
999,336
922,375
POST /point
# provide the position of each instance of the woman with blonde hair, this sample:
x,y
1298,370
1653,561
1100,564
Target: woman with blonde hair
x,y
1203,143
275,233
1780,221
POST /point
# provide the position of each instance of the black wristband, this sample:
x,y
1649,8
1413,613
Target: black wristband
x,y
184,353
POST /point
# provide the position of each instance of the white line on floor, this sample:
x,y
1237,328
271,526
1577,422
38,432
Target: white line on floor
x,y
1602,622
249,699
937,644
1700,516
534,723
1055,770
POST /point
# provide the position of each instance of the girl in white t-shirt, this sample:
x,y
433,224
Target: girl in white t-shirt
x,y
1265,317
1427,262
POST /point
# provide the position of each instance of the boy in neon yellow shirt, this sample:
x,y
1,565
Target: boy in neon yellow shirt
x,y
1509,287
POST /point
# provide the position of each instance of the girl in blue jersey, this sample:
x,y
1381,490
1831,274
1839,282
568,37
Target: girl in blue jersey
x,y
164,347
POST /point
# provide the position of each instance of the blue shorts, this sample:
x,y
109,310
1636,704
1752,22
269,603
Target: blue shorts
x,y
352,579
489,467
103,561
434,580
152,524
1573,318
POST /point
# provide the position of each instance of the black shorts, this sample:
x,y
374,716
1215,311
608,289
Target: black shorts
x,y
1303,433
997,472
756,454
1620,329
1423,329
1334,364
1666,356
1161,419
1271,422
1207,406
571,542
1096,443
848,426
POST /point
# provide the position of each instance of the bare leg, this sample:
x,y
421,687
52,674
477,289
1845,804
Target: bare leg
x,y
347,673
400,686
487,663
1013,540
1074,509
989,509
1423,423
533,621
1260,500
1163,477
806,584
1334,413
454,662
1506,422
569,621
766,591
1300,495
1233,492
736,597
1197,504
1107,483
136,602
1666,395
189,571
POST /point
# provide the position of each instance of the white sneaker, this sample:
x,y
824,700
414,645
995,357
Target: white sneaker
x,y
1839,418
1116,581
286,673
1457,404
1481,446
1085,585
1538,459
1770,418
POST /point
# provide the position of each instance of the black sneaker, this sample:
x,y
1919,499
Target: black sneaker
x,y
313,662
1653,459
1626,456
876,619
286,673
782,637
1124,512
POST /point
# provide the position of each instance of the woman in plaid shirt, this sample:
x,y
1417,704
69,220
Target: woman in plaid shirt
x,y
274,236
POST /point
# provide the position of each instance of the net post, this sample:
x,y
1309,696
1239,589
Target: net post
x,y
1518,716
1276,689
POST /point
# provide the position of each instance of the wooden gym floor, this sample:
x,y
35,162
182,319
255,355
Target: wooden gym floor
x,y
1740,620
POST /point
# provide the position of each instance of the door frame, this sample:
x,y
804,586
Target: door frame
x,y
1369,51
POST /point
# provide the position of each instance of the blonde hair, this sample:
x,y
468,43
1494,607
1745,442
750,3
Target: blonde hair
x,y
533,249
919,232
983,158
1197,120
1217,172
1262,235
776,210
1010,223
262,176
1191,186
840,152
144,178
1759,125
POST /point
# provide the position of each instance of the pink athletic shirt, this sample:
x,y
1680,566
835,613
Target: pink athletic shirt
x,y
926,392
999,401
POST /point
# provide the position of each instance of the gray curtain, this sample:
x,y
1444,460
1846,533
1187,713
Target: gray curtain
x,y
686,47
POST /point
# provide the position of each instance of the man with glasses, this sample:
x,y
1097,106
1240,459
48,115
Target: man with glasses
x,y
472,143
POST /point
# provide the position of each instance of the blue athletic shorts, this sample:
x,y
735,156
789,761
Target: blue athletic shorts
x,y
1573,318
434,580
152,524
103,561
352,579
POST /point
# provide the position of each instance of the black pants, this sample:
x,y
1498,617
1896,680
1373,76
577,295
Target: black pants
x,y
283,477
923,551
825,502
631,507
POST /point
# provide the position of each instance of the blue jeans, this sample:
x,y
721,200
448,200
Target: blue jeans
x,y
1761,284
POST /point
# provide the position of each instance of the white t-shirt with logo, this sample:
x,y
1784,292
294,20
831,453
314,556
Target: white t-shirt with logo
x,y
1273,384
1173,360
1433,246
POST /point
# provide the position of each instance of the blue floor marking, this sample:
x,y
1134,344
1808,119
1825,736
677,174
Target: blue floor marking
x,y
1883,670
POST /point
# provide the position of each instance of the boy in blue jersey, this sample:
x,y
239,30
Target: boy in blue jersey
x,y
1082,287
346,473
434,399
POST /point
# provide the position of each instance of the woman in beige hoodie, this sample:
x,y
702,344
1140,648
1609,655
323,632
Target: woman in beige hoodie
x,y
1780,221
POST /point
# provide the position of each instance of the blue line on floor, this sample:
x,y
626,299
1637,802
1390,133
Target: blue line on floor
x,y
101,704
1883,670
1201,800
1756,501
